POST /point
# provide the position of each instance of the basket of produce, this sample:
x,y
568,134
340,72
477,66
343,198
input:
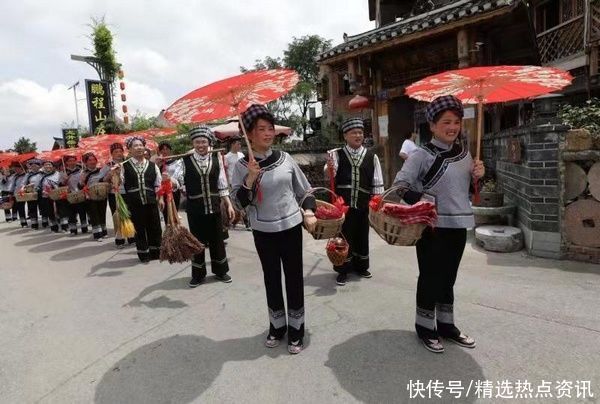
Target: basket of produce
x,y
398,223
6,202
27,194
59,193
330,216
337,250
76,197
99,191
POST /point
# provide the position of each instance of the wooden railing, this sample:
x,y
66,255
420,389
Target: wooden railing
x,y
562,41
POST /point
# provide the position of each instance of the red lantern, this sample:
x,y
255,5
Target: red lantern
x,y
126,120
123,97
120,74
122,85
124,109
358,102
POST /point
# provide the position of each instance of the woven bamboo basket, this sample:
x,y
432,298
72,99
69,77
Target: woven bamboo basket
x,y
7,203
391,229
339,255
58,193
76,197
99,191
325,228
26,196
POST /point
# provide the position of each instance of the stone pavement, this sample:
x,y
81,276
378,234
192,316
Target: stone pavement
x,y
83,322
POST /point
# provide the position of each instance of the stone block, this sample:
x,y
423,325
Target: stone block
x,y
499,238
578,140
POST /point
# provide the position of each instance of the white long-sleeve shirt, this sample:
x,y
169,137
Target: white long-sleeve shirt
x,y
377,174
203,162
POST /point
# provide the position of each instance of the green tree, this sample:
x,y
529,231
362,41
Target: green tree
x,y
301,55
102,39
141,121
24,145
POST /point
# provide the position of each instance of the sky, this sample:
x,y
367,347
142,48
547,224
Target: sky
x,y
167,48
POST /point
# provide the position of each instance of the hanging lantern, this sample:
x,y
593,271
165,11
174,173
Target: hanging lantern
x,y
120,74
126,120
359,102
123,97
124,109
122,85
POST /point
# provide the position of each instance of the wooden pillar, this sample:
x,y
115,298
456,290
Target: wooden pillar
x,y
594,60
463,47
352,74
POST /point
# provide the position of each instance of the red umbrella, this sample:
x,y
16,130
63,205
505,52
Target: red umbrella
x,y
104,141
489,84
231,96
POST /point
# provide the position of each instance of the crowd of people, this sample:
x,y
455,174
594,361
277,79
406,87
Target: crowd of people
x,y
269,190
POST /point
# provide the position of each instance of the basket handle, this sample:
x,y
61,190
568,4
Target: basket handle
x,y
388,191
312,191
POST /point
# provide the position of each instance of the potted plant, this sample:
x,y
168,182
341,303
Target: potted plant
x,y
489,196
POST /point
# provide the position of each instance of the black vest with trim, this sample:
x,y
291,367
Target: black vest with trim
x,y
202,188
139,187
354,182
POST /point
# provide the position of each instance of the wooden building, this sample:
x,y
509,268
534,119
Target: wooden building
x,y
414,39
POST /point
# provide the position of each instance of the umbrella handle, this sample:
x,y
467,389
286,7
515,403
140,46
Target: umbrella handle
x,y
250,154
479,128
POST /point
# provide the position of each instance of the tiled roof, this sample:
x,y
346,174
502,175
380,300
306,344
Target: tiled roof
x,y
443,15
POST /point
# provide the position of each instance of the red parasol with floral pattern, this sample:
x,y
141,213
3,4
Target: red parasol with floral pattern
x,y
231,96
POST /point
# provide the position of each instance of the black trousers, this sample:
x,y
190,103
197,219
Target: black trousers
x,y
275,249
96,211
208,230
148,232
48,213
439,252
32,213
356,231
20,206
62,208
177,200
78,209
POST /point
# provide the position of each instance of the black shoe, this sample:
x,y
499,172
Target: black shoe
x,y
130,241
224,278
365,274
119,242
194,283
341,279
433,345
84,230
462,340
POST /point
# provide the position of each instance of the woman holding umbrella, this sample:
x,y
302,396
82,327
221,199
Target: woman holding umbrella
x,y
269,188
442,168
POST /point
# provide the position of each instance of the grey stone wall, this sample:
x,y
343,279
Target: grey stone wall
x,y
533,185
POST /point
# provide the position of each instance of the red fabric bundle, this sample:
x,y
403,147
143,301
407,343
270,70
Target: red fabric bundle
x,y
336,211
420,212
374,202
328,212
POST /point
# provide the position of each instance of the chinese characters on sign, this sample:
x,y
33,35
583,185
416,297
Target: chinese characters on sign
x,y
71,138
98,97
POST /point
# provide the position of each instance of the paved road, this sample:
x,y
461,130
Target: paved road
x,y
83,322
